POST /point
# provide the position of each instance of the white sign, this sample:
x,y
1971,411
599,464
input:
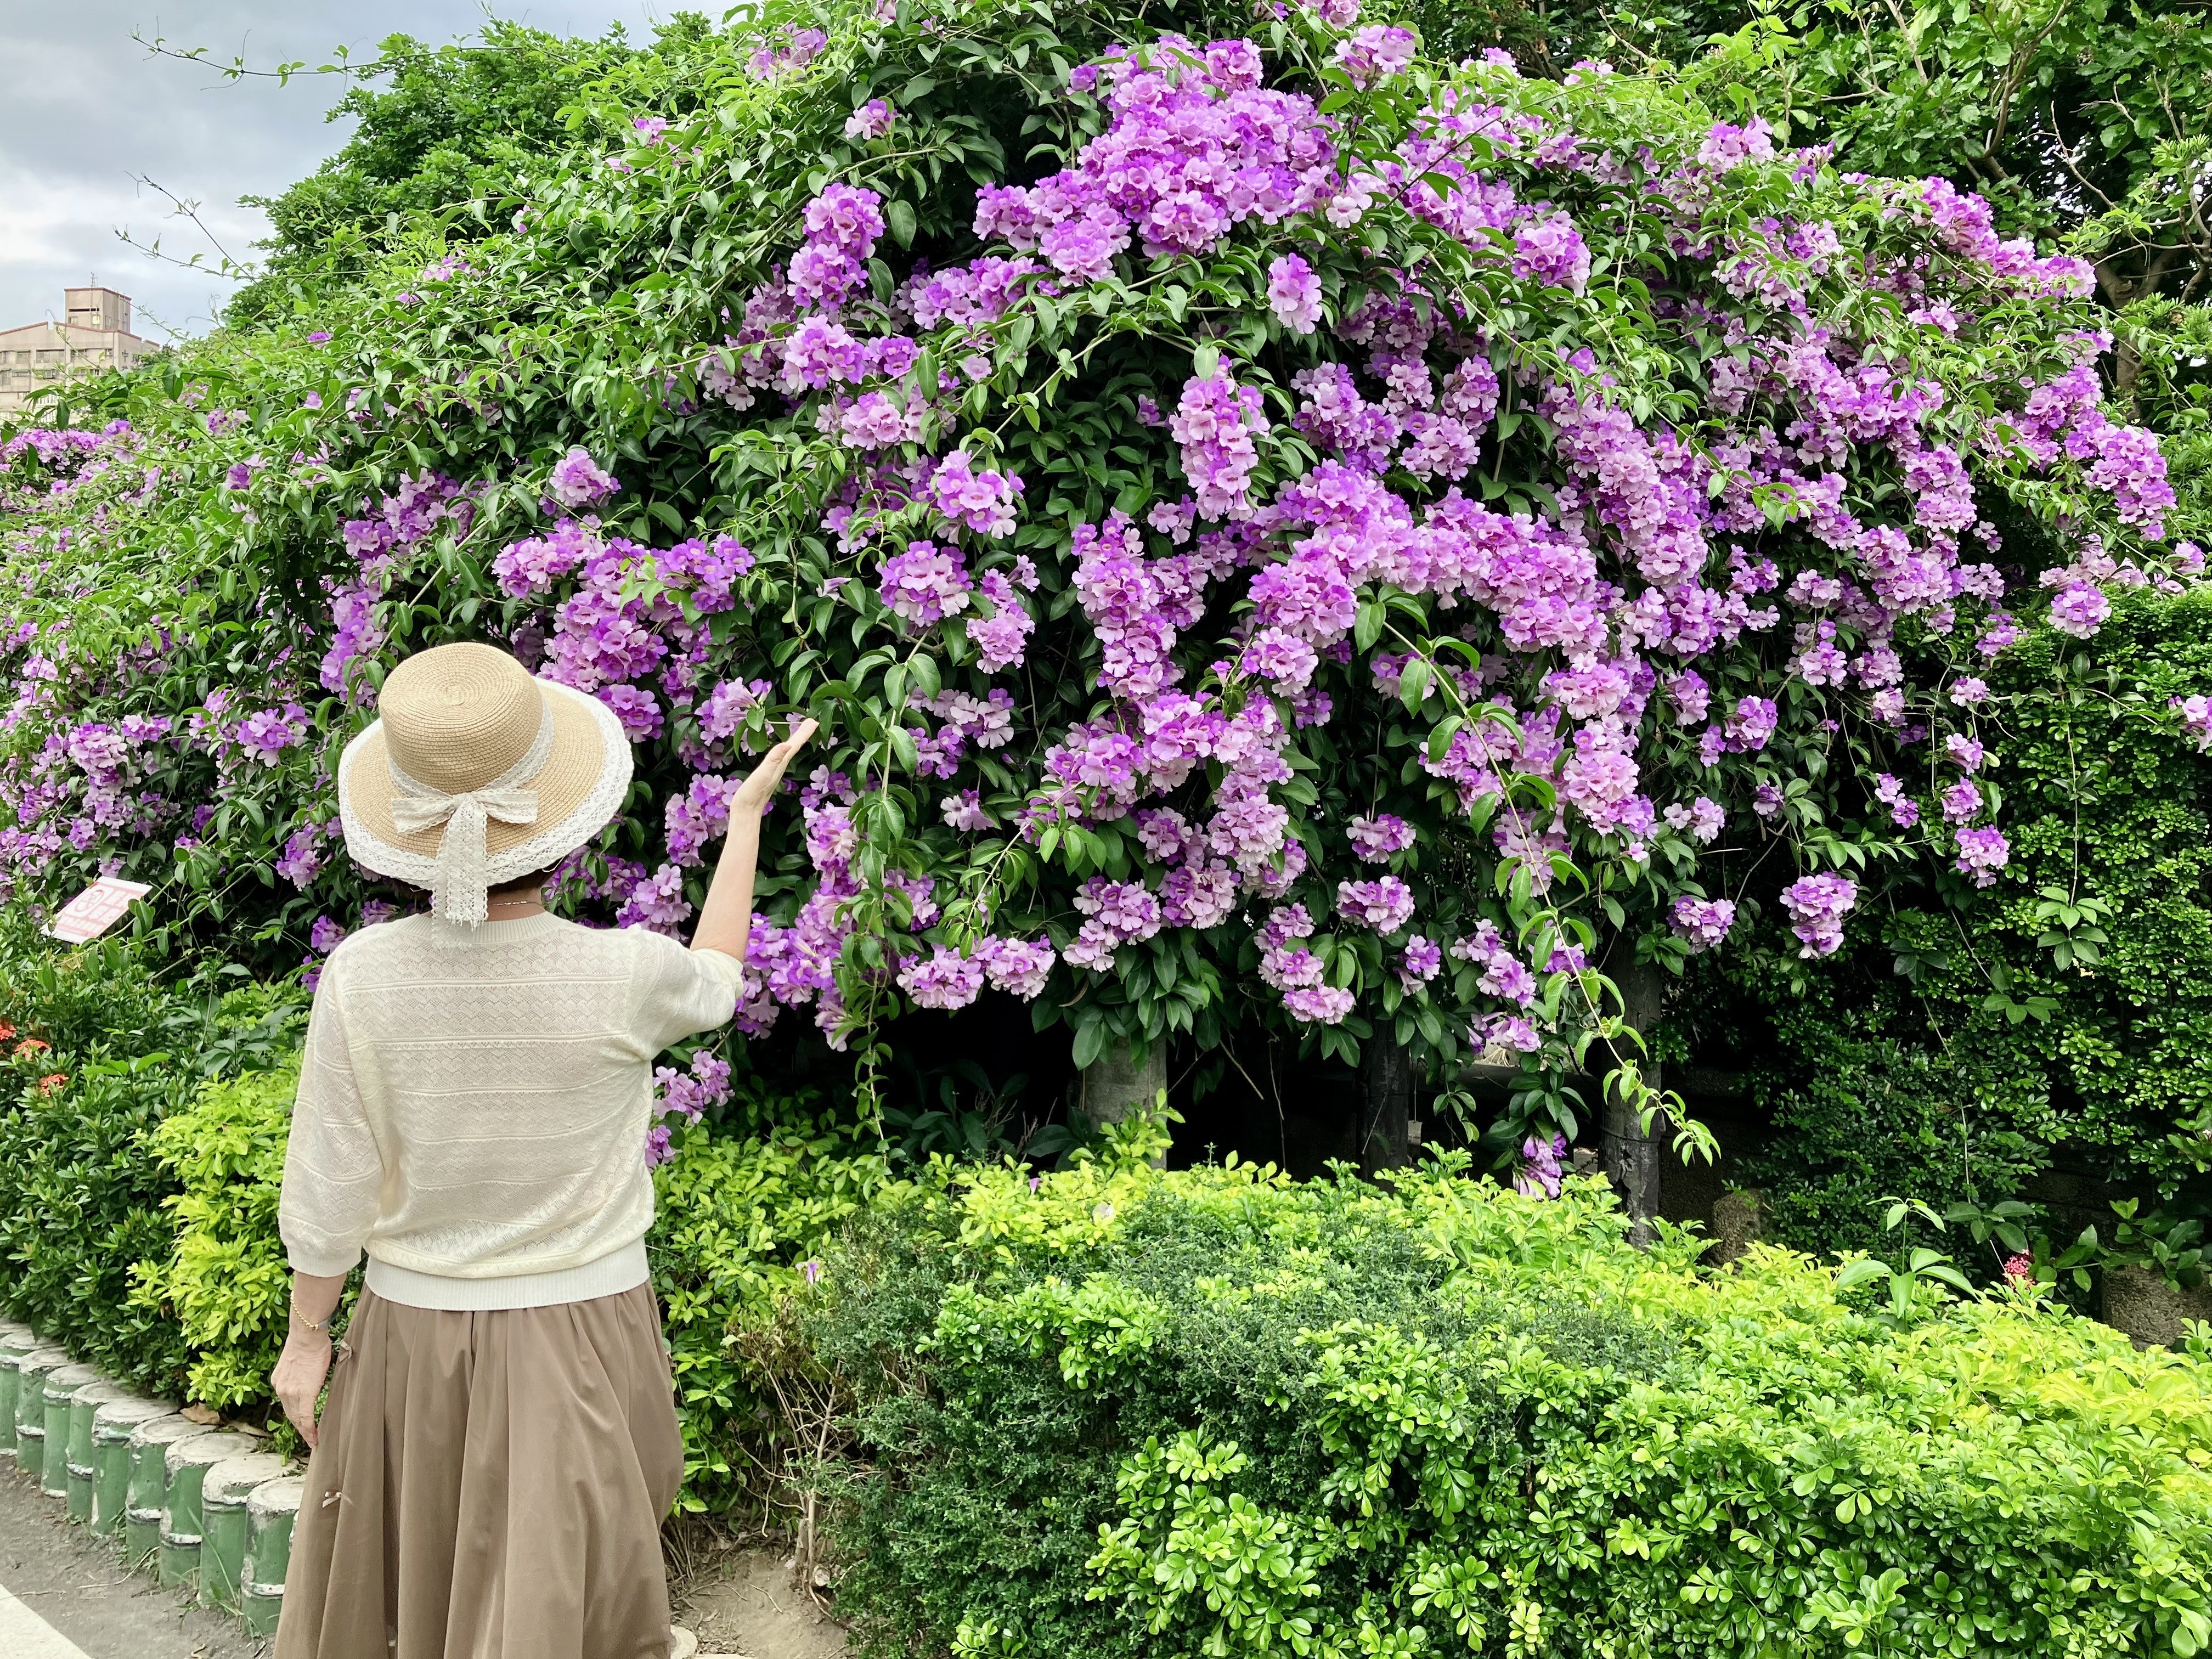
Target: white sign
x,y
95,910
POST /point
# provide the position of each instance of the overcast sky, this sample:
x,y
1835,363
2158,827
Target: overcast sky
x,y
85,110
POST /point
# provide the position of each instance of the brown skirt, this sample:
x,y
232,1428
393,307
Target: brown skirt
x,y
489,1485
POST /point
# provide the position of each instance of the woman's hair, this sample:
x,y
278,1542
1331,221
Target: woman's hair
x,y
420,896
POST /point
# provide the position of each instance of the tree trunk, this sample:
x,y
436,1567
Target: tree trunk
x,y
1114,1084
1631,1156
1386,1105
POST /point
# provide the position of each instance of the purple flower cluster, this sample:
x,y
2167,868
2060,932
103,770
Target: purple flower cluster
x,y
2195,715
1704,923
1375,840
944,980
1817,906
578,482
1386,904
1904,811
1661,628
1294,294
1115,913
872,121
1376,52
684,1098
1541,1171
1982,853
1216,423
925,584
786,50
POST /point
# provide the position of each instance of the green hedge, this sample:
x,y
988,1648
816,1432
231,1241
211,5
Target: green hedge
x,y
1131,1413
1970,1042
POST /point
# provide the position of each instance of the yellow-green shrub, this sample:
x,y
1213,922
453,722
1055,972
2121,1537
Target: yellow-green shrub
x,y
226,1282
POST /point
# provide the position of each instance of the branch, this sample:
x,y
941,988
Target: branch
x,y
235,269
237,71
2015,73
153,251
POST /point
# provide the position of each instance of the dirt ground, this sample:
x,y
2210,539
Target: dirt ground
x,y
742,1602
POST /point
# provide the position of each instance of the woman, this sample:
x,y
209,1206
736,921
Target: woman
x,y
501,1441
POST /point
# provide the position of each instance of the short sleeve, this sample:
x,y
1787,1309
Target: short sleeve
x,y
333,1175
679,992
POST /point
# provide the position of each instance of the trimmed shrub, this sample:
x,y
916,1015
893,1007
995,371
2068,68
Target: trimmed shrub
x,y
742,1213
225,1278
1118,1411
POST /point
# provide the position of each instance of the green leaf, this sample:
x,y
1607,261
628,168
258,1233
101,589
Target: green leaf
x,y
1413,685
899,215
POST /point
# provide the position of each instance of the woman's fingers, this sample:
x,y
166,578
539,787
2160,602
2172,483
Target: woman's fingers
x,y
758,788
784,752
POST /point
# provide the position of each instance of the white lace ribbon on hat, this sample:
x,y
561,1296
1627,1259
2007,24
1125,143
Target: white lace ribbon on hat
x,y
458,888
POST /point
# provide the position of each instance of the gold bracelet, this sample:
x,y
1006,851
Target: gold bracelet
x,y
310,1327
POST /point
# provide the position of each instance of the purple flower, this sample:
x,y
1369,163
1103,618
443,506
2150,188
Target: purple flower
x,y
302,856
1373,840
944,979
964,811
1903,811
1551,250
1384,904
1704,923
1375,52
637,709
2195,715
925,584
1817,906
322,938
1982,853
1294,294
981,501
265,735
1319,1005
1750,725
1540,1172
871,121
577,481
2080,610
657,903
1503,1032
1702,819
1216,423
1423,960
1018,967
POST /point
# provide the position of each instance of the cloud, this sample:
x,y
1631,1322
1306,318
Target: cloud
x,y
89,112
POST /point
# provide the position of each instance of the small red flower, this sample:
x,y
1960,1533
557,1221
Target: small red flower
x,y
52,1081
7,1031
28,1046
2019,1270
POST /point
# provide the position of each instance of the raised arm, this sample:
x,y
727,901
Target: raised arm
x,y
725,921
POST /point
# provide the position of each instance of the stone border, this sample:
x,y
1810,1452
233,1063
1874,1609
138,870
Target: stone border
x,y
209,1511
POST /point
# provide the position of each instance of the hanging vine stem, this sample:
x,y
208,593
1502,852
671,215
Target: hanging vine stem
x,y
1548,927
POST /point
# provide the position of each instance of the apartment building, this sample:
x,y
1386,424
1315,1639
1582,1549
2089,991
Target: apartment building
x,y
96,336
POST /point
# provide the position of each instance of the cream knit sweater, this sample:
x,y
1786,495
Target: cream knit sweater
x,y
476,1117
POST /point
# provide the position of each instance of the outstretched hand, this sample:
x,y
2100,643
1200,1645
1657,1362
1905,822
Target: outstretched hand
x,y
756,790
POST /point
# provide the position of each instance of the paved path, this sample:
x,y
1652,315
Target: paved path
x,y
64,1595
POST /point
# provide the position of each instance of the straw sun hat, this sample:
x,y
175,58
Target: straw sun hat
x,y
477,773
